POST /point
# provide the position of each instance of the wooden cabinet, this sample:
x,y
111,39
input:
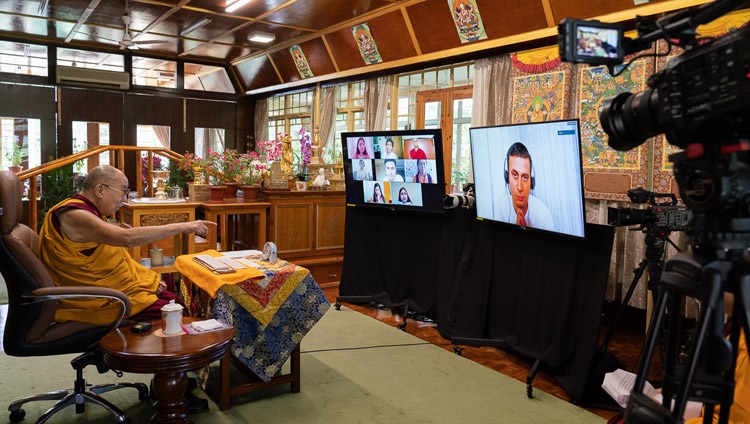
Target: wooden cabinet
x,y
308,229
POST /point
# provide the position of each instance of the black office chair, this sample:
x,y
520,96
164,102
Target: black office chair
x,y
30,329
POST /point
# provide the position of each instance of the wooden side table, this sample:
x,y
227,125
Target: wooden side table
x,y
151,214
219,212
169,359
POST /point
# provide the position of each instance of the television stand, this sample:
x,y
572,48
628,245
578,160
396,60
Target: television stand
x,y
370,299
501,345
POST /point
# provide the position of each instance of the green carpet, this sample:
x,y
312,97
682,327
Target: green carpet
x,y
355,369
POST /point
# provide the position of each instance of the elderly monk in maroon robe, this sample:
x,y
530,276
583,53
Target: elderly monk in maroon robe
x,y
79,247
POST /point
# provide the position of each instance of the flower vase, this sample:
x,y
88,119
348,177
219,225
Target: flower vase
x,y
216,193
231,190
250,192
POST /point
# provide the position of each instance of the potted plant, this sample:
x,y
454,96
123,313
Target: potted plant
x,y
15,157
253,168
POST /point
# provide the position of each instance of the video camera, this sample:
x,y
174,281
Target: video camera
x,y
662,217
456,200
700,97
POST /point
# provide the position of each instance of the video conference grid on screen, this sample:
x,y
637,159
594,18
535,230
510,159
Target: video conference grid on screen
x,y
530,175
392,169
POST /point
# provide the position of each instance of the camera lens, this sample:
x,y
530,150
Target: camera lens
x,y
629,119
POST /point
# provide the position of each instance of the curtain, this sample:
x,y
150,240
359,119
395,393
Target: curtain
x,y
162,134
376,103
328,122
491,98
261,120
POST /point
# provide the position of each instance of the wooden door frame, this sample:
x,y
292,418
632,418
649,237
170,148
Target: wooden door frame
x,y
446,97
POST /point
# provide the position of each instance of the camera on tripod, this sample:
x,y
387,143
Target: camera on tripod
x,y
661,216
700,102
700,97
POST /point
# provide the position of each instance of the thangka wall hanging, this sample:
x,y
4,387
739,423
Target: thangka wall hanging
x,y
609,173
538,98
467,19
300,60
367,47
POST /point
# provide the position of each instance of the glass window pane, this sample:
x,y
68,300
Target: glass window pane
x,y
91,60
209,139
207,78
85,136
444,78
154,72
23,59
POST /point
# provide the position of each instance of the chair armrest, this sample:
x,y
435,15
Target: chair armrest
x,y
46,294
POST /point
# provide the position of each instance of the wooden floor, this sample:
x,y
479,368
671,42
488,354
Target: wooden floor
x,y
625,345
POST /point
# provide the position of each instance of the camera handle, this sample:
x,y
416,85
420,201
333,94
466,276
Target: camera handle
x,y
710,356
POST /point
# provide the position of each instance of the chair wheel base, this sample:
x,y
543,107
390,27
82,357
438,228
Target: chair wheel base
x,y
17,416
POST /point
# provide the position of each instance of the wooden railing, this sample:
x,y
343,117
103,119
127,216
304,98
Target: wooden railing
x,y
116,159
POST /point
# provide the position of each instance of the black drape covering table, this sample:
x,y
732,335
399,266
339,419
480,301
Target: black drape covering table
x,y
538,293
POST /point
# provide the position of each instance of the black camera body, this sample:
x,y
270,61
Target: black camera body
x,y
660,217
703,96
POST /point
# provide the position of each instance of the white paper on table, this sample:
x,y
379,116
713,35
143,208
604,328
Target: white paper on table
x,y
242,253
231,263
241,256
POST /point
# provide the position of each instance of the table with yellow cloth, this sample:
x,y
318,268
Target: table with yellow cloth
x,y
271,308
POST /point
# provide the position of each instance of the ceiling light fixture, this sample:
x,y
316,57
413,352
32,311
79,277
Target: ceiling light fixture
x,y
236,5
195,25
261,37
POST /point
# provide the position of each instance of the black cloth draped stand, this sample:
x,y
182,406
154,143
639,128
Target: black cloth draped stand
x,y
537,294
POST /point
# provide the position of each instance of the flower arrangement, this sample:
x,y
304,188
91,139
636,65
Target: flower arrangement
x,y
305,146
144,167
253,168
187,165
271,149
223,167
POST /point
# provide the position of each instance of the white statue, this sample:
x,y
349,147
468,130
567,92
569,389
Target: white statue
x,y
320,181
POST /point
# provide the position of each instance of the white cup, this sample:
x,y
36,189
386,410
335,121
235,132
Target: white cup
x,y
171,318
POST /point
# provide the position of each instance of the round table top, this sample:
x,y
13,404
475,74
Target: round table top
x,y
150,352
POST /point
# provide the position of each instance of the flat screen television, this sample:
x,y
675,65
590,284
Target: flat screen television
x,y
394,169
530,176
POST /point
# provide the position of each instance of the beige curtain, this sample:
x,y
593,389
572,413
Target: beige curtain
x,y
492,95
376,103
328,121
260,120
162,134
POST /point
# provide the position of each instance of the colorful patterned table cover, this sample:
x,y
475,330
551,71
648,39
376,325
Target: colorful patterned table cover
x,y
270,316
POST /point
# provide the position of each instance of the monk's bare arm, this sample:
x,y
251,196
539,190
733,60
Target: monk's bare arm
x,y
82,226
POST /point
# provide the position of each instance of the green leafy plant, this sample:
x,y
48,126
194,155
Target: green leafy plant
x,y
14,155
58,185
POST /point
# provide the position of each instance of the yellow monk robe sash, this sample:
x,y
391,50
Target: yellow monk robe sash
x,y
105,266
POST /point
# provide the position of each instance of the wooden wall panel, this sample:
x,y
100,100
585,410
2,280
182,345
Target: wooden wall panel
x,y
154,110
257,73
24,101
433,25
317,57
503,18
392,37
586,9
90,105
345,50
210,114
